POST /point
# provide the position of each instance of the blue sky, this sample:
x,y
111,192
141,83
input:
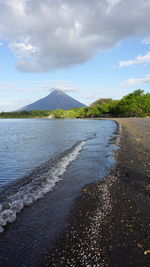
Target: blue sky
x,y
103,56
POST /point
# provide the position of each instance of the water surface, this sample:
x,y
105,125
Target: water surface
x,y
43,166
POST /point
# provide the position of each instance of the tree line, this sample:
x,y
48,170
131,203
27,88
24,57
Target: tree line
x,y
136,104
25,114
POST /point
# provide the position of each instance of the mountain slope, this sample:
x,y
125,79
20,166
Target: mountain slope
x,y
57,99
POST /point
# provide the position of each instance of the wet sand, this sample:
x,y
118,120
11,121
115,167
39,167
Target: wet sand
x,y
109,224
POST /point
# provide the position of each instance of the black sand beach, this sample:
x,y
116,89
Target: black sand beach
x,y
109,225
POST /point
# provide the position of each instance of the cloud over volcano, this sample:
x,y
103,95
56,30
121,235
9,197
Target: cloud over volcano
x,y
48,35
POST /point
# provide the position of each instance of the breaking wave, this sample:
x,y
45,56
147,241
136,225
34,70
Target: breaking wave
x,y
36,185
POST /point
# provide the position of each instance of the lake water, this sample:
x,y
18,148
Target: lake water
x,y
43,166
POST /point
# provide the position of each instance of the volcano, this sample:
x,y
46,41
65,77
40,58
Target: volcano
x,y
56,99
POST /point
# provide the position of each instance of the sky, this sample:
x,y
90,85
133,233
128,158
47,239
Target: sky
x,y
89,49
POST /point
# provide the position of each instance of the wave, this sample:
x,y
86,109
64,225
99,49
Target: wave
x,y
35,186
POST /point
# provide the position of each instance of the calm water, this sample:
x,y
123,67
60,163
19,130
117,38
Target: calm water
x,y
43,166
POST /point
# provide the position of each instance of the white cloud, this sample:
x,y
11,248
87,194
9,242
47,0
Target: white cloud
x,y
5,104
24,50
37,86
10,105
50,85
146,41
138,60
49,35
134,81
112,3
64,86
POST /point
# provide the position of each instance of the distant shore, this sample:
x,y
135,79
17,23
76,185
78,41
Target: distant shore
x,y
109,225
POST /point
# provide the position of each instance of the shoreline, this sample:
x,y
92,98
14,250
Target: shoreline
x,y
109,223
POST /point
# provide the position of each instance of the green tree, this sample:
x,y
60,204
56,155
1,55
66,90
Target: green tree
x,y
82,112
101,101
59,113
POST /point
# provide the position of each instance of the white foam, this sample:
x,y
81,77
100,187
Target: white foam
x,y
1,207
37,188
